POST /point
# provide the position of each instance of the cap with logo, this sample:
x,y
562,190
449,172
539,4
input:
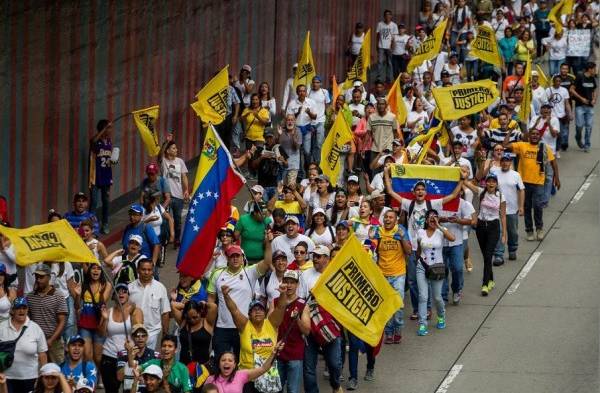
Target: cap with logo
x,y
136,208
136,238
20,302
321,250
292,274
80,195
247,67
75,339
293,219
353,178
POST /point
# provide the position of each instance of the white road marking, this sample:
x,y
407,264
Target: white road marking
x,y
523,273
583,188
449,378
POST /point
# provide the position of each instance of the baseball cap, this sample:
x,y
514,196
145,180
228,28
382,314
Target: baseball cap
x,y
268,132
138,326
323,177
357,84
491,176
20,302
255,303
83,385
246,67
49,369
79,195
534,73
152,169
316,78
397,142
419,183
457,142
445,73
136,238
293,219
75,338
233,249
137,208
295,65
353,178
293,274
153,370
43,269
121,285
506,156
258,188
321,250
375,194
343,223
418,27
318,210
277,254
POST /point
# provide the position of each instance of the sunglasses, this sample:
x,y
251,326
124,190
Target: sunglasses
x,y
299,252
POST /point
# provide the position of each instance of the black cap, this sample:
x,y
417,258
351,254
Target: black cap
x,y
80,195
457,142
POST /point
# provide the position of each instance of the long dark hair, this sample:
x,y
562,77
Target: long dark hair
x,y
40,388
334,208
86,284
428,213
200,308
217,370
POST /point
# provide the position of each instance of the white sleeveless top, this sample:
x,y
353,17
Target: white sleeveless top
x,y
356,43
4,308
115,335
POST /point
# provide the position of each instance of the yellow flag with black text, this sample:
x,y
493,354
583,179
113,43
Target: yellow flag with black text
x,y
306,66
525,109
211,104
563,7
145,121
464,99
485,46
542,78
395,101
335,90
429,48
331,151
53,242
355,292
361,64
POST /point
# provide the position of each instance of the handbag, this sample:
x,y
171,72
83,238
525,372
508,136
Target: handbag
x,y
434,272
7,351
269,382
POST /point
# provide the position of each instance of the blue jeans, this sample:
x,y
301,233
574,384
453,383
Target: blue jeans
x,y
269,193
357,344
71,322
318,139
290,373
534,198
411,279
226,339
454,260
584,117
548,184
396,322
512,236
332,353
386,68
555,67
104,195
176,207
472,67
436,293
563,136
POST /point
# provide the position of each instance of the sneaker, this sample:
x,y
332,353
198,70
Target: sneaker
x,y
397,338
342,379
326,374
456,297
498,261
414,316
540,234
105,229
565,146
530,236
441,323
557,154
388,339
579,143
422,330
370,375
469,265
491,285
484,290
352,384
512,256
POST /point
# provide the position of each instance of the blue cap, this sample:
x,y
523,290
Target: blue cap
x,y
75,338
317,78
137,208
506,156
121,285
491,176
255,303
20,302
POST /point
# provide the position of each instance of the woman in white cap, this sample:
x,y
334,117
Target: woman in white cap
x,y
324,197
152,376
51,380
320,232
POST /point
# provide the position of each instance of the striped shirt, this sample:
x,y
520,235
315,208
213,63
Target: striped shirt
x,y
383,129
45,309
495,136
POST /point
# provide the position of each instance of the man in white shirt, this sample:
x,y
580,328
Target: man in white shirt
x,y
456,158
512,188
289,93
309,277
386,29
559,98
321,98
287,242
152,298
357,107
305,111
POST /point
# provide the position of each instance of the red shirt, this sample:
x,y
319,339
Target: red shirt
x,y
294,342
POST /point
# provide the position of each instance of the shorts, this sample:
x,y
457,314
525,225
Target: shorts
x,y
93,335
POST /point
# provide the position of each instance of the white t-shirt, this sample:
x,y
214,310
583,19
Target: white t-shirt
x,y
547,137
173,171
417,219
60,283
420,119
324,239
558,98
308,279
269,290
468,140
489,208
286,244
431,247
157,212
510,183
352,212
499,28
242,88
558,48
321,99
356,43
465,210
33,342
386,31
400,41
360,108
9,259
377,182
153,300
303,119
242,286
538,98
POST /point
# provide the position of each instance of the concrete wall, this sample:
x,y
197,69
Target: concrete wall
x,y
66,64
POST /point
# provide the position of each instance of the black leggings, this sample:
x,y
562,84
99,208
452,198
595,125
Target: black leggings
x,y
20,385
488,233
108,370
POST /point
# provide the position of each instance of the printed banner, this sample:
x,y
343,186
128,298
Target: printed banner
x,y
211,106
306,65
362,63
464,99
331,151
430,48
145,121
580,42
485,47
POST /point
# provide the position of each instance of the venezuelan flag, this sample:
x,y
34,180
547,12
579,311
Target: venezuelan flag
x,y
440,181
217,182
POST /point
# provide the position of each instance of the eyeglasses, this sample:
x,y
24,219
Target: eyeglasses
x,y
299,252
140,335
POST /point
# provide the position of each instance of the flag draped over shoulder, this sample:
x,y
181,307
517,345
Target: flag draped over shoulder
x,y
485,46
56,241
525,109
361,64
440,181
563,7
306,66
355,292
211,104
217,182
145,121
331,151
396,101
429,48
464,99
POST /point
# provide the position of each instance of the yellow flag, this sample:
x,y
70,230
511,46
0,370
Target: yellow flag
x,y
429,48
563,7
396,101
145,121
356,294
542,78
525,109
361,64
331,158
335,88
53,242
464,99
211,105
485,47
306,65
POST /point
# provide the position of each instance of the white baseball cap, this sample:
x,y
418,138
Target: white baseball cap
x,y
321,250
136,238
49,369
154,370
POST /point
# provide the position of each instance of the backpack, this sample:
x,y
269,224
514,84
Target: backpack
x,y
7,351
128,271
411,208
323,327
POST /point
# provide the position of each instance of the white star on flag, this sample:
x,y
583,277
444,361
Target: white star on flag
x,y
196,228
192,220
208,193
195,202
200,196
192,210
216,195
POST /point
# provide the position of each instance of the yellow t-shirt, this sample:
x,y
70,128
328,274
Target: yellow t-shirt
x,y
255,342
252,126
495,123
289,207
529,168
391,254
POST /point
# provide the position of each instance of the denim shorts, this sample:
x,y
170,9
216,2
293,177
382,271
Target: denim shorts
x,y
93,335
